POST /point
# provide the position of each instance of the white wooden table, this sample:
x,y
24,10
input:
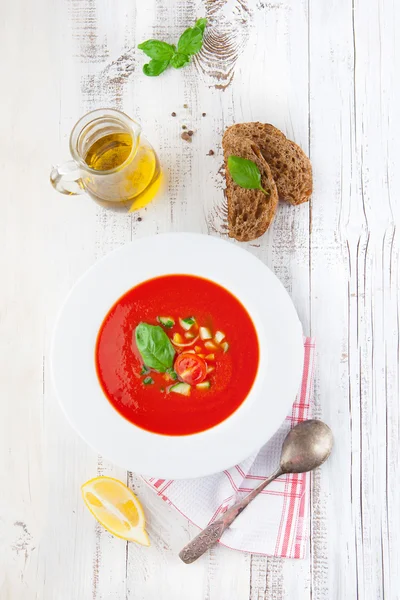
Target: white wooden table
x,y
326,72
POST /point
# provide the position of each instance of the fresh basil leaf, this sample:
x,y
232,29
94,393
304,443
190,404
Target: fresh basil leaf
x,y
154,346
157,50
179,60
163,54
201,24
148,381
245,173
191,41
155,67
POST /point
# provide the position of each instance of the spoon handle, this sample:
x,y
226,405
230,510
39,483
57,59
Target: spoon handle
x,y
212,533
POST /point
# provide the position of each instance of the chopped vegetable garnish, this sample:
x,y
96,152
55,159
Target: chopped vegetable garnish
x,y
168,322
218,337
197,348
225,347
189,335
180,388
210,369
201,355
182,343
187,323
205,333
190,352
210,345
171,374
190,368
184,374
204,385
210,357
144,370
148,381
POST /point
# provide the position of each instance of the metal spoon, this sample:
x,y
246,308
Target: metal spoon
x,y
305,448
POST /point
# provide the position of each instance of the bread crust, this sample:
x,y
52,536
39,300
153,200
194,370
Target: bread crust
x,y
250,212
290,167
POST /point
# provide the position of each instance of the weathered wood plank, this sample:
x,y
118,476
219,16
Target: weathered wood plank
x,y
353,299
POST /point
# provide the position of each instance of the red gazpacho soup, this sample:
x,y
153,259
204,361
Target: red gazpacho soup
x,y
177,354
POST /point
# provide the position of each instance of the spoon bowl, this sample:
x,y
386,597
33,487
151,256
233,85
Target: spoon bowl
x,y
306,447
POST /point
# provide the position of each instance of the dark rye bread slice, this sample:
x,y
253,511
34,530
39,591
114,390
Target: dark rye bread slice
x,y
250,212
290,166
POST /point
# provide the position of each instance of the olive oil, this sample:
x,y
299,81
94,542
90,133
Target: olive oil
x,y
126,177
109,152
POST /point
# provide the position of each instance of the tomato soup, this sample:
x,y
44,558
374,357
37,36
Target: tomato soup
x,y
177,355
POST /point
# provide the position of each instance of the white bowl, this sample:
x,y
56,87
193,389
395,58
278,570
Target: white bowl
x,y
172,457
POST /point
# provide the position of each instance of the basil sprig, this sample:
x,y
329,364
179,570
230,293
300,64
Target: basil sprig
x,y
154,346
245,173
164,55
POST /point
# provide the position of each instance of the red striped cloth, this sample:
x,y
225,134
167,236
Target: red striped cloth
x,y
276,523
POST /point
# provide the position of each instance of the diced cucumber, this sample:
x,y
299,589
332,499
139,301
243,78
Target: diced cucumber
x,y
225,347
204,385
144,370
181,388
205,333
187,323
168,322
148,381
171,373
218,337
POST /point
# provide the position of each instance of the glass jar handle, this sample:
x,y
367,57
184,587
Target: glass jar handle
x,y
66,179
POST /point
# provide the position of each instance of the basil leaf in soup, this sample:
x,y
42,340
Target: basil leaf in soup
x,y
154,346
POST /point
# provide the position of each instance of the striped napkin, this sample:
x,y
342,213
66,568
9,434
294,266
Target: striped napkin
x,y
276,523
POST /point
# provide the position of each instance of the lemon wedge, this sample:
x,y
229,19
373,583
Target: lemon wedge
x,y
116,507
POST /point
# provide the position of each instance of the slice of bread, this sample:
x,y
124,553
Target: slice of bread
x,y
290,167
250,212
